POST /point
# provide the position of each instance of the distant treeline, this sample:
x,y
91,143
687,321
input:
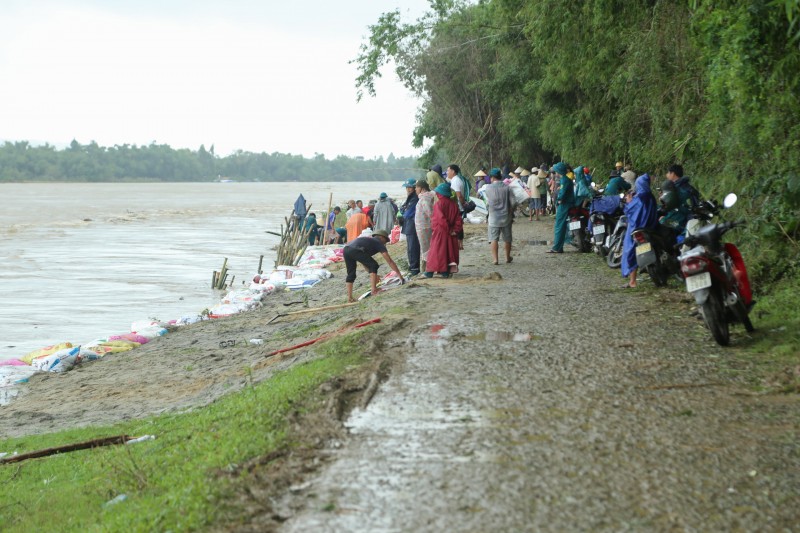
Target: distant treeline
x,y
21,161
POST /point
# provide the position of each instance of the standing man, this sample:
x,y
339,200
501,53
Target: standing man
x,y
535,203
459,186
408,211
500,203
564,200
352,208
361,250
383,214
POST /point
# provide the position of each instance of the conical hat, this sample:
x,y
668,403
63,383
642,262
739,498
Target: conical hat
x,y
480,174
519,169
525,172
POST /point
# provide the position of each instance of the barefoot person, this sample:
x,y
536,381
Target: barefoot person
x,y
500,203
361,250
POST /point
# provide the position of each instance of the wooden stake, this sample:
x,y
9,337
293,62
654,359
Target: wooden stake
x,y
94,443
327,215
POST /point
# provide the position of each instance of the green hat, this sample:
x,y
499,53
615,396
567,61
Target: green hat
x,y
443,189
410,182
380,233
495,173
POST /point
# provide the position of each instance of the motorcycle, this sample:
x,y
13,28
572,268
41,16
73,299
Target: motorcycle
x,y
614,243
578,222
717,278
604,217
657,252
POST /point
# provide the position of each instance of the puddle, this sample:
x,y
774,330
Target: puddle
x,y
537,243
502,336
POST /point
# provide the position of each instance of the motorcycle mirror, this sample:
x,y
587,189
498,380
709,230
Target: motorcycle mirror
x,y
594,185
730,200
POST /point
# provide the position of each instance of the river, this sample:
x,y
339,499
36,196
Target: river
x,y
80,261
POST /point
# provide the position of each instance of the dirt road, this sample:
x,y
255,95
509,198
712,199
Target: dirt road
x,y
553,400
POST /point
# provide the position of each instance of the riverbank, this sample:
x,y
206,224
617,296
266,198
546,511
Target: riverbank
x,y
497,370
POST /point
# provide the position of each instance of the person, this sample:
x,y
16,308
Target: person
x,y
383,214
459,186
361,250
679,215
500,203
618,168
479,179
339,233
369,211
434,176
641,210
553,184
629,175
408,211
616,184
583,191
312,228
535,203
542,191
587,174
356,224
564,200
352,208
447,227
422,219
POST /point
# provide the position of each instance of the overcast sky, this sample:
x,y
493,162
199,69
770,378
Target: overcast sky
x,y
255,75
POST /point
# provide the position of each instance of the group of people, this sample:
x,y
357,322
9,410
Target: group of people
x,y
432,216
673,209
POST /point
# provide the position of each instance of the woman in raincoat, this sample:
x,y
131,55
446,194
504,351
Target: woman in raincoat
x,y
422,219
564,200
642,212
447,226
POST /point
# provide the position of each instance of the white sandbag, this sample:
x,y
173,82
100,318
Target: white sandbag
x,y
520,194
151,332
61,361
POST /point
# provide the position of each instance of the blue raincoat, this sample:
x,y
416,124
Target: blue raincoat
x,y
642,212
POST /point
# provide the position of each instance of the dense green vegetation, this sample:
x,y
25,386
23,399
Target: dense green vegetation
x,y
21,161
714,86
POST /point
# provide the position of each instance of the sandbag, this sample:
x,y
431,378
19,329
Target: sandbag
x,y
47,350
60,361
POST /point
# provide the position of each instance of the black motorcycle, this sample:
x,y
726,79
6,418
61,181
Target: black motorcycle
x,y
657,252
603,225
578,222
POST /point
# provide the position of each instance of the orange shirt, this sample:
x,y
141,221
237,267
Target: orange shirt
x,y
357,223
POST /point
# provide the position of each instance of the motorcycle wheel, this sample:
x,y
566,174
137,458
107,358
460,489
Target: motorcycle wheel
x,y
580,240
614,257
713,312
525,211
657,275
744,317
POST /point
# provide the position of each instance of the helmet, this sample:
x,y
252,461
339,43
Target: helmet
x,y
585,170
669,196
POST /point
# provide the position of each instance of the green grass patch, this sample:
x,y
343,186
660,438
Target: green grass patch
x,y
772,355
171,483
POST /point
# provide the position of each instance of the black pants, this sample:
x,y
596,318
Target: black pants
x,y
353,256
413,250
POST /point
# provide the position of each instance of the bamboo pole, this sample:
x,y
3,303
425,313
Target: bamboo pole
x,y
327,216
260,263
94,443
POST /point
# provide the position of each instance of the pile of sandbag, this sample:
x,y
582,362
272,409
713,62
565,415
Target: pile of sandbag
x,y
321,256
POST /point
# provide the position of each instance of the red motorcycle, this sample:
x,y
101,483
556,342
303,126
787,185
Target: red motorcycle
x,y
717,278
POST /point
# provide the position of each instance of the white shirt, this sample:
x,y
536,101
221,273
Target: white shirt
x,y
457,184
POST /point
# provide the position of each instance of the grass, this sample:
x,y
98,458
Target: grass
x,y
771,356
172,483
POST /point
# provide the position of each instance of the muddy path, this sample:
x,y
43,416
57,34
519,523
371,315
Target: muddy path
x,y
552,400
